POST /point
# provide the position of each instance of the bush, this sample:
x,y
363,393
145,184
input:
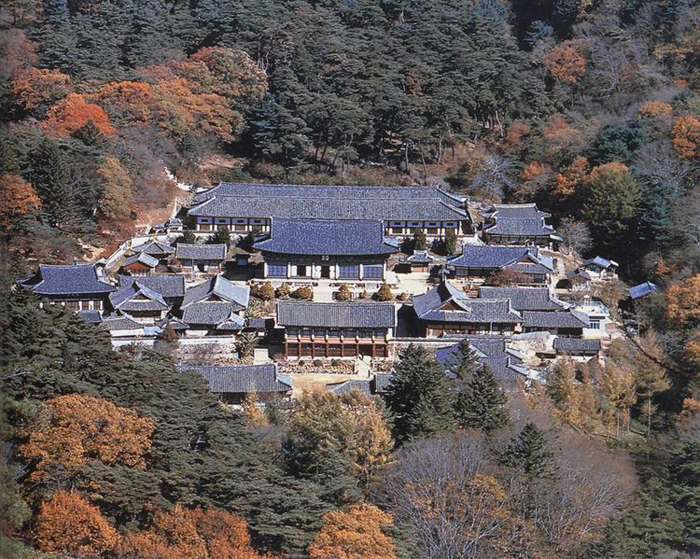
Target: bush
x,y
304,292
384,293
364,294
336,363
265,292
283,291
343,294
403,296
318,363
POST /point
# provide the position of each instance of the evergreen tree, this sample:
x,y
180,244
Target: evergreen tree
x,y
480,404
419,396
420,241
529,452
50,176
222,236
450,242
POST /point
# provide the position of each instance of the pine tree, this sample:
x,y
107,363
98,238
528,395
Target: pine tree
x,y
419,396
480,404
51,179
450,242
222,236
529,452
420,241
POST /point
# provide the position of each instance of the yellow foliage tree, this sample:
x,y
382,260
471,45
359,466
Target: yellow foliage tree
x,y
357,533
571,176
683,303
654,109
117,198
686,136
79,428
67,523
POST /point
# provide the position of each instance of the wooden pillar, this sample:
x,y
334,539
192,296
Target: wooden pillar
x,y
286,348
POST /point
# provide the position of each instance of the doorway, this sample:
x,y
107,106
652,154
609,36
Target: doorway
x,y
326,272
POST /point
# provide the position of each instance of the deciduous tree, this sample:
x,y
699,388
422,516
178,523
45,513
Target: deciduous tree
x,y
68,524
686,136
357,533
17,199
117,200
81,428
34,89
72,112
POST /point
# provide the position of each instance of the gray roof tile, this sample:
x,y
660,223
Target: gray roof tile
x,y
242,379
642,289
336,315
327,237
218,288
143,258
210,314
154,248
76,279
563,319
576,345
494,257
520,227
170,287
524,298
187,252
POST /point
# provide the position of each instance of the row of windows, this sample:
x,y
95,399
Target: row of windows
x,y
334,333
345,271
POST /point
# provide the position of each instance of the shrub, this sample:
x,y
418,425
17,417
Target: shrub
x,y
318,363
343,294
384,293
364,294
283,291
265,292
305,292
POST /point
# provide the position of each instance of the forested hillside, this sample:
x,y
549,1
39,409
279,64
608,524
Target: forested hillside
x,y
590,108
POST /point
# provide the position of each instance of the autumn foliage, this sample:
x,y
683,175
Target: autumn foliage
x,y
654,109
686,136
33,87
67,523
17,198
73,112
683,302
181,533
79,428
566,62
571,176
357,533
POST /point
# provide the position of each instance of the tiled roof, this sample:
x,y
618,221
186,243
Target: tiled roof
x,y
242,379
154,248
93,317
524,298
328,202
642,289
520,227
218,288
187,252
563,319
576,345
377,385
170,287
142,258
600,262
73,279
348,386
516,211
503,365
327,237
127,298
120,323
210,314
493,256
420,257
336,315
428,307
258,190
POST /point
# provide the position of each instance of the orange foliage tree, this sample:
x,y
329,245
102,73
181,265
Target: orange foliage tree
x,y
17,198
79,428
73,112
31,88
127,102
683,302
686,136
357,533
654,109
182,533
67,523
566,62
571,176
206,92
